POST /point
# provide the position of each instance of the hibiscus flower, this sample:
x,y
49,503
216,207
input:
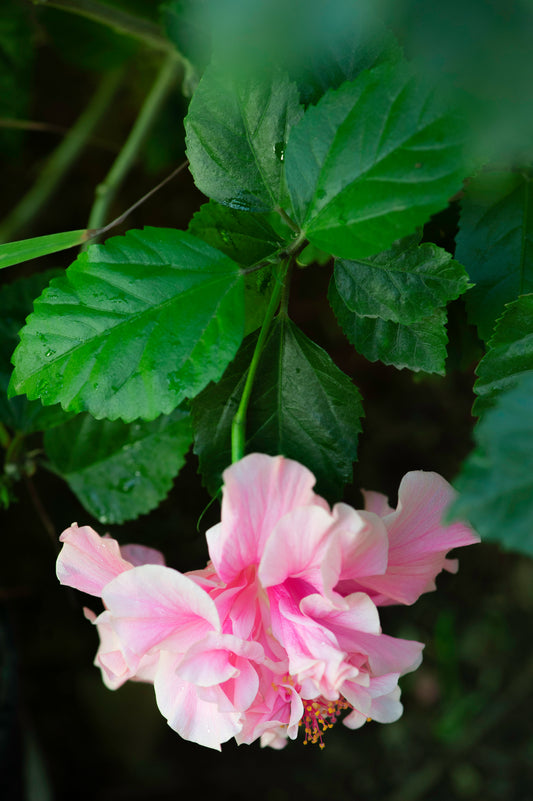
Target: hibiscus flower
x,y
281,629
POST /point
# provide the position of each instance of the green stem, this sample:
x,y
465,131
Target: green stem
x,y
120,21
60,161
238,426
107,190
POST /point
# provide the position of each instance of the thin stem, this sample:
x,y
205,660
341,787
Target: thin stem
x,y
238,426
285,217
62,158
107,190
121,21
125,214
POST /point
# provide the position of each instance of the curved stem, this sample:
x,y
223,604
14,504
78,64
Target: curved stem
x,y
107,190
62,158
120,21
238,426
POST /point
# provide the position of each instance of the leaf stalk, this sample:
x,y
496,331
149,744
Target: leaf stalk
x,y
238,426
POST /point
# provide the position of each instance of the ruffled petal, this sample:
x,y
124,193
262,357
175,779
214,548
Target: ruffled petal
x,y
88,561
157,606
258,491
418,540
186,712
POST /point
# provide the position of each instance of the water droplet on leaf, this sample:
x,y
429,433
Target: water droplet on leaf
x,y
279,150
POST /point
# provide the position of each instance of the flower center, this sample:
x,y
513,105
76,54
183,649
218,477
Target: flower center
x,y
319,716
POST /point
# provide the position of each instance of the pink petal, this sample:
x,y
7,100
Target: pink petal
x,y
186,712
212,660
87,561
258,491
298,548
155,606
364,541
418,540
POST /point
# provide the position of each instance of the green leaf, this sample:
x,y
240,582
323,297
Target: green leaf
x,y
418,346
120,471
496,482
404,284
495,243
372,161
16,302
16,252
343,54
237,129
301,405
134,327
245,237
509,355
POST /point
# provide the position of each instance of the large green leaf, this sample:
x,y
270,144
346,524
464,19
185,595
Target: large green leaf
x,y
301,405
237,129
496,482
245,237
418,346
403,284
117,470
495,243
16,302
134,327
509,355
372,161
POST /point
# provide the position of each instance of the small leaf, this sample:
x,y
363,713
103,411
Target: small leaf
x,y
301,406
419,346
237,130
496,482
134,327
120,471
495,243
16,252
16,303
510,353
404,284
372,161
245,237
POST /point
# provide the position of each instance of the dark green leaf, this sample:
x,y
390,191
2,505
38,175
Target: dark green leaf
x,y
343,55
16,302
134,327
245,237
510,353
25,249
120,471
495,243
404,284
302,406
420,346
496,482
237,129
372,161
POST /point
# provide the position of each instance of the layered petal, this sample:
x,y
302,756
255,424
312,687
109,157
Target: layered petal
x,y
153,606
258,491
192,717
418,540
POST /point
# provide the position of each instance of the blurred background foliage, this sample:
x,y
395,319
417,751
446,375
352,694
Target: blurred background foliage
x,y
466,731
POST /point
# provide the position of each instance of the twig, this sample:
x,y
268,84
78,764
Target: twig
x,y
107,190
41,511
120,21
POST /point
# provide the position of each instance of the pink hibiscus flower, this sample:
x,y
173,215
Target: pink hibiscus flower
x,y
281,629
